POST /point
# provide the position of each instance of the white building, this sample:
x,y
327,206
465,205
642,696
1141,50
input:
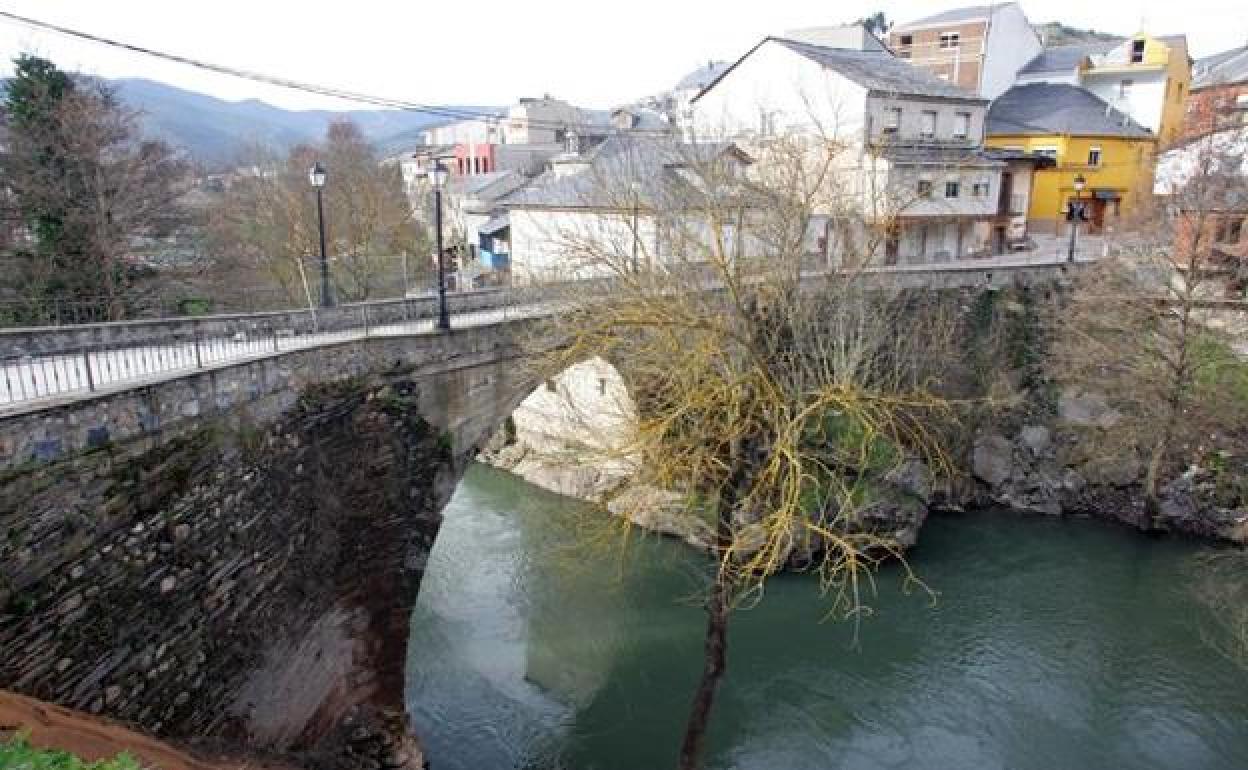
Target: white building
x,y
912,143
620,205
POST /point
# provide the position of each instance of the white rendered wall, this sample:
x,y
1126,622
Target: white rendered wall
x,y
1011,44
1147,96
794,92
552,244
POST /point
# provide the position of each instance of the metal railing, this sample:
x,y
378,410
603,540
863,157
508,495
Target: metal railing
x,y
96,357
45,364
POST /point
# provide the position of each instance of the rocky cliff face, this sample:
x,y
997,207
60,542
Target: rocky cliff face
x,y
1068,464
1060,465
241,587
898,510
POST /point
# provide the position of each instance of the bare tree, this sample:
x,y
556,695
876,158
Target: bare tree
x,y
266,221
776,400
1145,330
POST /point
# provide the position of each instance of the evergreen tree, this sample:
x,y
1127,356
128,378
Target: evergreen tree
x,y
83,184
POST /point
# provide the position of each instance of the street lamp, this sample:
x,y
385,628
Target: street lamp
x,y
437,177
317,175
635,188
1076,214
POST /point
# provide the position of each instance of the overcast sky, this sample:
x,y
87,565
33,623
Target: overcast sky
x,y
490,52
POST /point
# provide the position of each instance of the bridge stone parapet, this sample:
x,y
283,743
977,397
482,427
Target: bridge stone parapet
x,y
263,387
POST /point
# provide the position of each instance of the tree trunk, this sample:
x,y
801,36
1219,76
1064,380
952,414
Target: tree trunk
x,y
716,648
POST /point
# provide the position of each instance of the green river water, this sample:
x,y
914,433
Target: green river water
x,y
1051,645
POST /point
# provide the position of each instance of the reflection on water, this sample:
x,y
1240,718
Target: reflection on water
x,y
1053,644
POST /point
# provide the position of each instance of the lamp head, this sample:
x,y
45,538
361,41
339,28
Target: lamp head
x,y
438,175
1080,183
317,175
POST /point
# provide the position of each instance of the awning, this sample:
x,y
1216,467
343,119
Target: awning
x,y
494,224
1106,195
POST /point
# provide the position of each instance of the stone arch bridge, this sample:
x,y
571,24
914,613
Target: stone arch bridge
x,y
215,529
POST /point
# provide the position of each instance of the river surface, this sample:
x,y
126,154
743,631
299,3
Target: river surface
x,y
1051,645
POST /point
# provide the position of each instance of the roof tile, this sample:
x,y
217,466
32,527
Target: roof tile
x,y
1058,108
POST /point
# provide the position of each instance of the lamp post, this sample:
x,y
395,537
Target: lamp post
x,y
316,175
635,188
437,178
1075,215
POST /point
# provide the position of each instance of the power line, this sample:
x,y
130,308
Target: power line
x,y
296,85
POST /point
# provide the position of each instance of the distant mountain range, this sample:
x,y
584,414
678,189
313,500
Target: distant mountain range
x,y
215,132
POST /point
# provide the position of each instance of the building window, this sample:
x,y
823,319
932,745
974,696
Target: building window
x,y
892,120
925,188
952,188
1124,89
907,40
1094,156
1137,51
950,40
961,125
980,190
1048,151
927,128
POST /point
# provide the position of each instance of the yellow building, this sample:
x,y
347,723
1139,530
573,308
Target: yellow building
x,y
1086,137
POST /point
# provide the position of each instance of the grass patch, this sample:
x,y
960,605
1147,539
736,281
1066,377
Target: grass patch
x,y
18,754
